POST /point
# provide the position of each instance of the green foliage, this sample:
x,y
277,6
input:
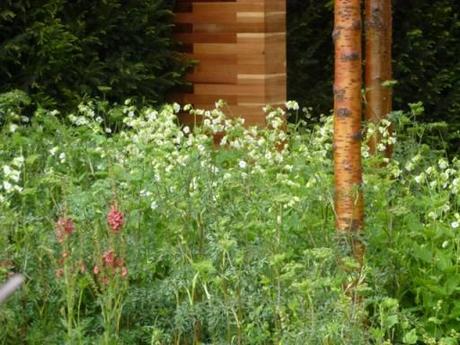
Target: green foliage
x,y
61,51
413,239
235,245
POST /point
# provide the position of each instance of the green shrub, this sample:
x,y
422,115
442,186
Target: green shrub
x,y
61,51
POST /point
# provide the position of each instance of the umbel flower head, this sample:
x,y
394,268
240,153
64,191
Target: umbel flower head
x,y
64,228
115,219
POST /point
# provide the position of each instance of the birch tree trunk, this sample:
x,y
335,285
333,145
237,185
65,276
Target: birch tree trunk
x,y
347,120
378,16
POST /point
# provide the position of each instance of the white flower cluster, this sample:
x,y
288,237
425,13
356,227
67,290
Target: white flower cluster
x,y
384,133
11,176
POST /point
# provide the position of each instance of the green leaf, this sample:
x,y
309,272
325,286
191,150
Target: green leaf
x,y
410,337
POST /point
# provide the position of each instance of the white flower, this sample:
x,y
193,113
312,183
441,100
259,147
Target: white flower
x,y
108,130
186,129
381,147
409,166
432,215
292,105
176,107
62,157
455,224
365,153
144,193
6,170
419,178
219,104
8,187
54,150
11,174
243,164
429,170
443,164
18,161
13,128
81,121
154,205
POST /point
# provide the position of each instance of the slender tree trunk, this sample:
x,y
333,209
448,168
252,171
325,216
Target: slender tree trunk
x,y
374,75
378,64
347,121
388,66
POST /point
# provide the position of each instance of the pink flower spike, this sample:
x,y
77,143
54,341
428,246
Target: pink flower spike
x,y
115,219
96,270
64,227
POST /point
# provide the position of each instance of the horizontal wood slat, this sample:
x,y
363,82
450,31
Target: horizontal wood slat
x,y
239,47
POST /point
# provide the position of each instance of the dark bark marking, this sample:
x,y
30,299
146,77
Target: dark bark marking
x,y
350,57
343,112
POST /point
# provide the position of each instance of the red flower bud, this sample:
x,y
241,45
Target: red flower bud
x,y
109,257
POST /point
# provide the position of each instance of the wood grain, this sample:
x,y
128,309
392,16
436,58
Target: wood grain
x,y
240,50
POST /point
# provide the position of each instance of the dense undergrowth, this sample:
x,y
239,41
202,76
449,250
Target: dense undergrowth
x,y
141,231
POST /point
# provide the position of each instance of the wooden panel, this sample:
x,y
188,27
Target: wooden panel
x,y
240,46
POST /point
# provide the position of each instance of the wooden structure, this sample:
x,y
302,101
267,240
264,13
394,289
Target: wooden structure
x,y
240,46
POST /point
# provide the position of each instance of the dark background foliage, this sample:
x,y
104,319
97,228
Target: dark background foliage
x,y
60,51
425,58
